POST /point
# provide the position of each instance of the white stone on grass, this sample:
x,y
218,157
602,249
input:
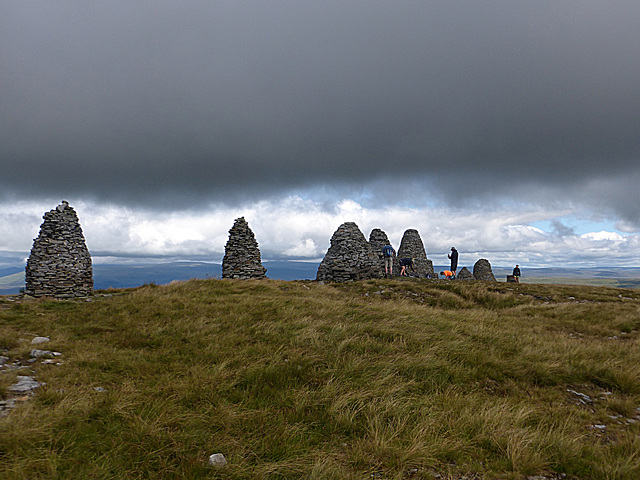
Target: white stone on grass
x,y
25,384
35,353
217,460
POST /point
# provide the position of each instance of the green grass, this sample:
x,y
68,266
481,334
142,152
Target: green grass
x,y
379,379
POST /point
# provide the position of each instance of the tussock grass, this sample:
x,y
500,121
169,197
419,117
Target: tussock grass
x,y
393,378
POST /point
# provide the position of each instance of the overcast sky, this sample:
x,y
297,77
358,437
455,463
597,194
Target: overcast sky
x,y
510,129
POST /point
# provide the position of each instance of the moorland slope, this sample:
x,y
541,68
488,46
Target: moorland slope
x,y
392,379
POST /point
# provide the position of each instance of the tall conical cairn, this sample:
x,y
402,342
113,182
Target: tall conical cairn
x,y
60,263
411,246
349,257
377,240
241,254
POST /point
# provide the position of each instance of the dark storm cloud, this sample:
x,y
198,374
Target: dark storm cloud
x,y
194,100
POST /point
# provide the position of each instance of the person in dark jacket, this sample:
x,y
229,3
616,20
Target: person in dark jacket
x,y
404,263
453,256
516,273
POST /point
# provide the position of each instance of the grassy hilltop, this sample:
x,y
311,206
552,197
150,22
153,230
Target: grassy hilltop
x,y
384,379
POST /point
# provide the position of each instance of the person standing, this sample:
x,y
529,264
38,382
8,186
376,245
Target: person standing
x,y
516,273
453,256
388,252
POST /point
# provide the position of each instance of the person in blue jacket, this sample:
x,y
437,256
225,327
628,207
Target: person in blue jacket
x,y
388,252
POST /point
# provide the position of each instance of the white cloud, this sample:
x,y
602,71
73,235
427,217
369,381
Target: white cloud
x,y
296,228
307,248
602,236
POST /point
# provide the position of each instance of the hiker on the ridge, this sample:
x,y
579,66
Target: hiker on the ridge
x,y
453,256
448,274
388,252
404,263
516,273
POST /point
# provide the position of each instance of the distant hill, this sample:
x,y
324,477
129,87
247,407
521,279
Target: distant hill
x,y
126,276
123,276
10,271
619,277
10,284
135,275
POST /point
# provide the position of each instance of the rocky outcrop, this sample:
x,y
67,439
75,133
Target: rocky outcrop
x,y
482,271
465,274
377,240
349,257
411,246
241,254
60,263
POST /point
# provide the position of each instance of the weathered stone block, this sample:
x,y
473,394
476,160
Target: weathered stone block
x,y
482,271
465,274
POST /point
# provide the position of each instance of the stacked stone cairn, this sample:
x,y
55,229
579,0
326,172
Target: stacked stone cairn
x,y
350,257
482,271
411,246
241,254
377,240
465,274
60,263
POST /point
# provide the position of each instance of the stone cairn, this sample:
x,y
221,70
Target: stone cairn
x,y
377,240
482,271
241,254
465,274
349,257
60,263
411,246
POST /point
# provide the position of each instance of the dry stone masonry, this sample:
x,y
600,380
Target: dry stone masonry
x,y
411,246
241,254
60,263
482,271
377,240
349,257
465,274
